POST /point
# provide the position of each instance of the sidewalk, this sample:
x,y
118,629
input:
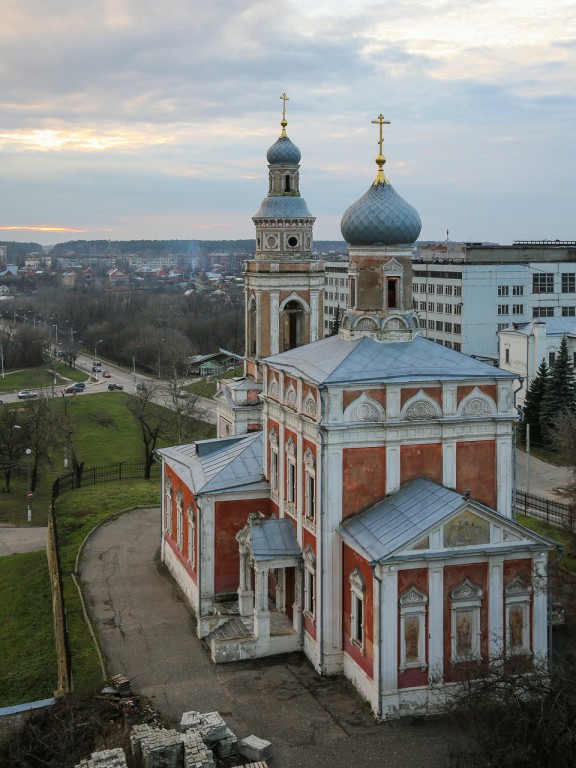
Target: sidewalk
x,y
16,540
147,633
539,477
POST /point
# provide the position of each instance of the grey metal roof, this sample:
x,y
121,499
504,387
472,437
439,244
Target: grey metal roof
x,y
380,216
283,152
337,361
555,326
226,463
283,207
273,538
400,518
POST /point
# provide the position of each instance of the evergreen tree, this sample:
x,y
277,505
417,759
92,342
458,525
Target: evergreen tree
x,y
533,402
335,322
559,393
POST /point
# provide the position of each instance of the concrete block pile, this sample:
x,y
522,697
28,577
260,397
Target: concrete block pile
x,y
254,748
196,753
107,758
211,725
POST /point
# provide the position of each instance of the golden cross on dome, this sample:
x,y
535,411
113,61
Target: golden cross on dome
x,y
284,122
380,160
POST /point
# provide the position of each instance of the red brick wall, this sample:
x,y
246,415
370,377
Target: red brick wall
x,y
421,460
364,478
476,470
230,517
188,499
350,395
364,658
487,389
434,392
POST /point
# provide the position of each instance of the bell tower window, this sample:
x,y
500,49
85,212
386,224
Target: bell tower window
x,y
292,325
392,291
287,183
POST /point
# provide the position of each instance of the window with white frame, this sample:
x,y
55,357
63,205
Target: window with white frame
x,y
309,485
357,613
503,309
413,629
309,582
431,288
457,309
430,306
448,290
543,282
439,307
517,290
448,309
503,290
517,598
568,282
465,605
517,309
191,536
440,289
290,448
168,506
274,474
457,290
543,312
179,520
568,311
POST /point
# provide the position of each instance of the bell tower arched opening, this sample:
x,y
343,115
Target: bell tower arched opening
x,y
293,325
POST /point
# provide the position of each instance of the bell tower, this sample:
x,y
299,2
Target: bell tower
x,y
283,283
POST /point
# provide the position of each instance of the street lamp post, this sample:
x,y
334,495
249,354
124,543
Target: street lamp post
x,y
29,494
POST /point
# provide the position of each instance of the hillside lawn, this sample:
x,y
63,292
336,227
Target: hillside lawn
x,y
105,432
40,378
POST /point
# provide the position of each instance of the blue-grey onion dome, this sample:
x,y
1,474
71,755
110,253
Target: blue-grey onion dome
x,y
283,208
380,217
283,152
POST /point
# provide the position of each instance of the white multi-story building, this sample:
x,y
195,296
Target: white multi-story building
x,y
464,299
335,292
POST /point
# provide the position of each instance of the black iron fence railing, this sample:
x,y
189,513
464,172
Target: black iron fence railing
x,y
105,473
553,512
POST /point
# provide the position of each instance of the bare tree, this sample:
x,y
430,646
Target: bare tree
x,y
38,422
182,403
12,444
152,418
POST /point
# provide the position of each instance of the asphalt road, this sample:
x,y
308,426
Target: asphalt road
x,y
147,633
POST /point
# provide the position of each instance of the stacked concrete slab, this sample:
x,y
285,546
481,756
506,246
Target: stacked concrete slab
x,y
107,758
254,748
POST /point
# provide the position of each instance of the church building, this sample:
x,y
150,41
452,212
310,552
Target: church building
x,y
357,504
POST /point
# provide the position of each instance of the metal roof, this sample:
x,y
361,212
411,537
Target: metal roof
x,y
337,361
555,326
223,464
273,538
399,518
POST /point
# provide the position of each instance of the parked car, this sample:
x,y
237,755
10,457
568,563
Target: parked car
x,y
96,368
115,387
27,394
183,394
79,384
74,389
107,375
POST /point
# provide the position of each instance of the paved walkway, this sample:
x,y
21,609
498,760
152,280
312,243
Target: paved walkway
x,y
544,479
14,540
147,633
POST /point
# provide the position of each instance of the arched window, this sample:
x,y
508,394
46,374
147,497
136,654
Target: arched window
x,y
251,340
293,325
191,537
179,520
168,506
287,183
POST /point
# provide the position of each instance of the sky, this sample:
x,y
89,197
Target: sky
x,y
139,119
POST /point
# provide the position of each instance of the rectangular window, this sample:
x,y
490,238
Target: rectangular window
x,y
568,311
431,288
543,312
457,309
416,287
501,326
503,309
448,309
448,290
568,282
309,598
517,309
457,328
274,470
439,290
439,307
430,306
517,290
423,306
457,346
503,290
291,483
358,623
507,355
543,282
457,290
551,359
430,325
310,496
439,325
448,327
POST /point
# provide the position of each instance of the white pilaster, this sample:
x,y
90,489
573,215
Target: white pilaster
x,y
496,608
449,400
261,612
540,608
258,322
504,473
393,401
392,468
436,621
274,322
313,316
207,552
389,644
449,464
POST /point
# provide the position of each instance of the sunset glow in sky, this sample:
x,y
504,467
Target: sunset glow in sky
x,y
129,119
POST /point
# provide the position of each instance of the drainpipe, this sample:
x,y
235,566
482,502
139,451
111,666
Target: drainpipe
x,y
521,414
200,549
320,623
373,566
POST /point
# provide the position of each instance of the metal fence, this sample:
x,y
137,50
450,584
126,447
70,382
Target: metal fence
x,y
553,512
104,473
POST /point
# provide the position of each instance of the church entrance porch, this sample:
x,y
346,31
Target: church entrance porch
x,y
270,563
